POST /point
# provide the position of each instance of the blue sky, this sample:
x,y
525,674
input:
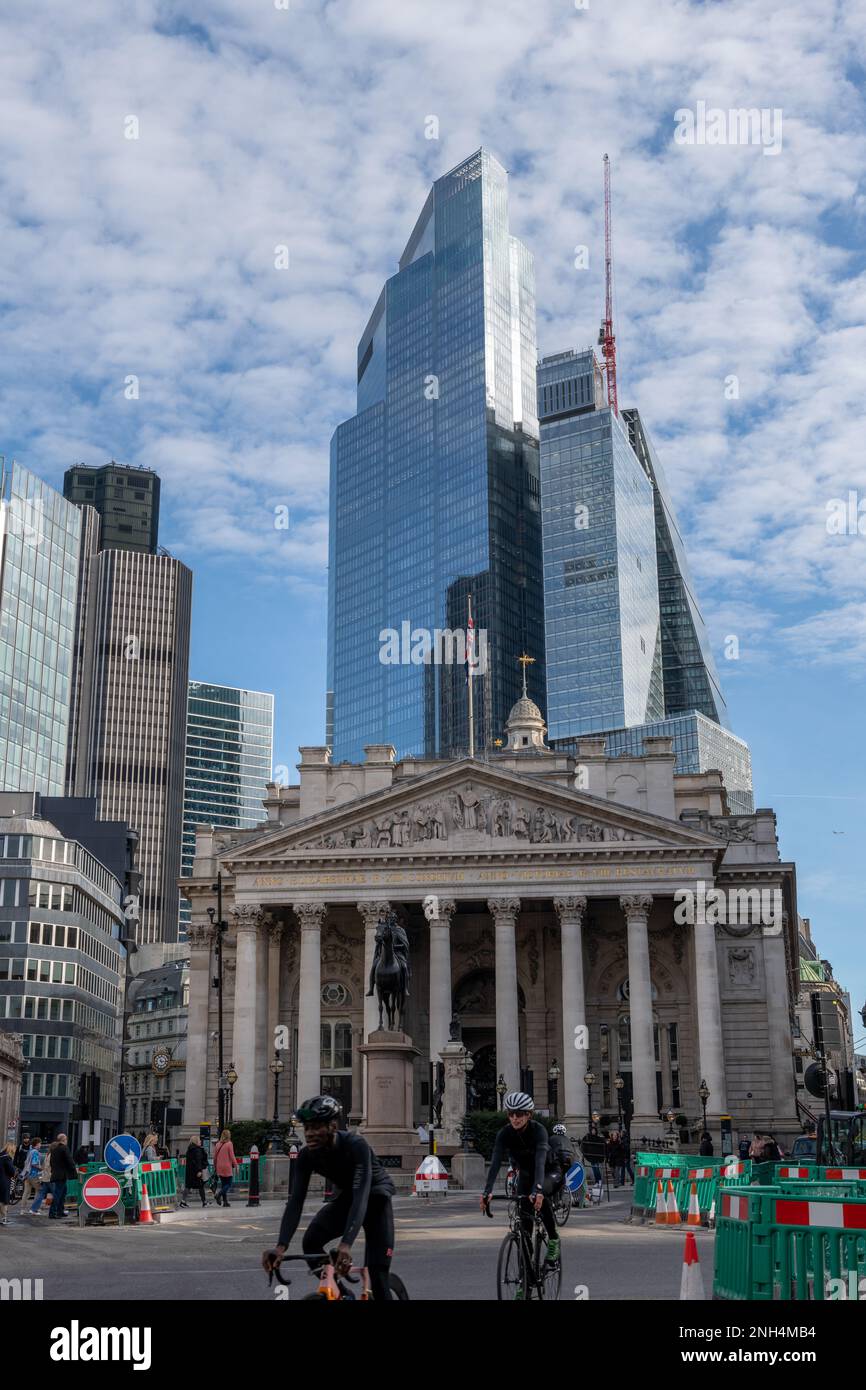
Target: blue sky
x,y
260,127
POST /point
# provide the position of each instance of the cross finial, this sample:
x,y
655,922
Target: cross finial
x,y
525,661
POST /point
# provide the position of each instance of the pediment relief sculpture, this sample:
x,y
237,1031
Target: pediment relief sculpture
x,y
470,811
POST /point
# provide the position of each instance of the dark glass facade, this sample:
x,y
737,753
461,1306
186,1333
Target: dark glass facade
x,y
435,484
127,500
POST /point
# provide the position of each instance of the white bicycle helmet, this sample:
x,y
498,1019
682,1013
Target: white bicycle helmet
x,y
518,1101
560,1129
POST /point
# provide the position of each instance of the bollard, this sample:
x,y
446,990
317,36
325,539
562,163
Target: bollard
x,y
293,1153
253,1196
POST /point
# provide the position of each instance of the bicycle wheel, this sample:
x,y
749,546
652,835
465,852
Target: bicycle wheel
x,y
562,1207
398,1288
510,1270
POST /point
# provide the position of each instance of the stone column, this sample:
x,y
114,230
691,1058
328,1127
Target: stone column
x,y
643,1067
311,916
504,912
200,942
246,920
779,1022
711,1050
372,911
575,1029
275,938
443,910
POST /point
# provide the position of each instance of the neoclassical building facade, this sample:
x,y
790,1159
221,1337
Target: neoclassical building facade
x,y
541,894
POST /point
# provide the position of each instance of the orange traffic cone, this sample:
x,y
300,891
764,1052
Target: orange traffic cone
x,y
673,1209
691,1284
146,1215
661,1208
694,1216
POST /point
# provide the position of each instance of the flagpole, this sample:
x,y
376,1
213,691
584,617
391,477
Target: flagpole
x,y
470,674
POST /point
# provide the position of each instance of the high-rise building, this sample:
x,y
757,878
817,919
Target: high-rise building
x,y
628,653
130,732
126,499
435,486
601,597
40,548
229,753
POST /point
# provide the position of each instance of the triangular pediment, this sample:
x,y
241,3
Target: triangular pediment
x,y
468,807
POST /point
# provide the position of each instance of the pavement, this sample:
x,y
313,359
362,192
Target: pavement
x,y
445,1249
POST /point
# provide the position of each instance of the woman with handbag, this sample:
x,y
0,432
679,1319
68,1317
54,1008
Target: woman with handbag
x,y
225,1164
197,1171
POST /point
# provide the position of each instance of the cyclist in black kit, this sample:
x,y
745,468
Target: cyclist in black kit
x,y
525,1142
363,1192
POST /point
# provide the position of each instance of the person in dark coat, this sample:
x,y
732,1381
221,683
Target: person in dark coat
x,y
7,1175
743,1146
63,1171
706,1149
196,1163
22,1153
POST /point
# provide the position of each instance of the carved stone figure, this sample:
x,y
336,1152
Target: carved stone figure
x,y
520,823
741,966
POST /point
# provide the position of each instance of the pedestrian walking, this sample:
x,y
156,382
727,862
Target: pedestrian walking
x,y
616,1158
63,1171
149,1152
44,1181
706,1148
32,1172
21,1153
7,1177
225,1164
756,1148
743,1146
196,1169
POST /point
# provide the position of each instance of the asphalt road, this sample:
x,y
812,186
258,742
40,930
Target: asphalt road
x,y
444,1251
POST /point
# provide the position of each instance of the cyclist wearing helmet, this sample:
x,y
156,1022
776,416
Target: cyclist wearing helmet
x,y
525,1142
362,1197
561,1154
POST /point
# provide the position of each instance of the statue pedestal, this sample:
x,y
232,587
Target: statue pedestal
x,y
388,1126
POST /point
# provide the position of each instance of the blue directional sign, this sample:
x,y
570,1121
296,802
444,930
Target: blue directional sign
x,y
122,1153
574,1177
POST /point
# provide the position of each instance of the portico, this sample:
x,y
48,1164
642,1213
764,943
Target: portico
x,y
541,915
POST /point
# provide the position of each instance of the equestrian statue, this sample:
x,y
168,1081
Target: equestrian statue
x,y
390,971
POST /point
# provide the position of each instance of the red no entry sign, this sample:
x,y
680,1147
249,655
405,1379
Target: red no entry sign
x,y
101,1191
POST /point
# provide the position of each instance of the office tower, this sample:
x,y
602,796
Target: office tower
x,y
62,922
601,600
40,545
126,500
131,728
435,486
628,654
691,681
229,753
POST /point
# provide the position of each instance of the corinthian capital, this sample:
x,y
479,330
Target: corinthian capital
x,y
200,936
503,909
636,906
372,911
570,909
247,917
310,915
439,911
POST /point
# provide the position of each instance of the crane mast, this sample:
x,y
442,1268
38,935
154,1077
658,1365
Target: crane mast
x,y
606,337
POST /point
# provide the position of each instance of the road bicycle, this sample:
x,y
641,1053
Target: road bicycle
x,y
333,1289
561,1201
522,1270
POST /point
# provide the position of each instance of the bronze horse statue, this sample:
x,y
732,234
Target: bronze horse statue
x,y
391,971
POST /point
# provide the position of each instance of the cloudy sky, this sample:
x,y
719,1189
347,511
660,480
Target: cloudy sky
x,y
154,155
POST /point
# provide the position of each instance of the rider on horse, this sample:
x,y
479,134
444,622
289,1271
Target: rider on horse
x,y
400,944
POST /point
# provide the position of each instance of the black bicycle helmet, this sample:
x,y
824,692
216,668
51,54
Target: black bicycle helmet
x,y
318,1110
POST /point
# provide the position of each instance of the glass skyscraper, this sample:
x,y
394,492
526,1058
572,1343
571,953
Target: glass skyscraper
x,y
229,751
40,542
126,500
601,598
435,485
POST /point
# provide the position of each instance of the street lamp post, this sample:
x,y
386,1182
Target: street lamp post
x,y
501,1088
231,1079
704,1093
273,1139
553,1074
619,1083
670,1122
589,1082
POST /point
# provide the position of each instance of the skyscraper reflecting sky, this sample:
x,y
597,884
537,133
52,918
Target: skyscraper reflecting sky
x,y
435,482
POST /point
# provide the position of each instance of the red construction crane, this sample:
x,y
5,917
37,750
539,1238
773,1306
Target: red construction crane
x,y
606,337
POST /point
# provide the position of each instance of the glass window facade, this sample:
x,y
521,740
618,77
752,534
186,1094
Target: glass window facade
x,y
127,500
229,753
435,482
41,538
603,638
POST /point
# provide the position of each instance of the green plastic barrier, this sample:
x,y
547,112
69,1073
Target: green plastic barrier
x,y
787,1242
677,1168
